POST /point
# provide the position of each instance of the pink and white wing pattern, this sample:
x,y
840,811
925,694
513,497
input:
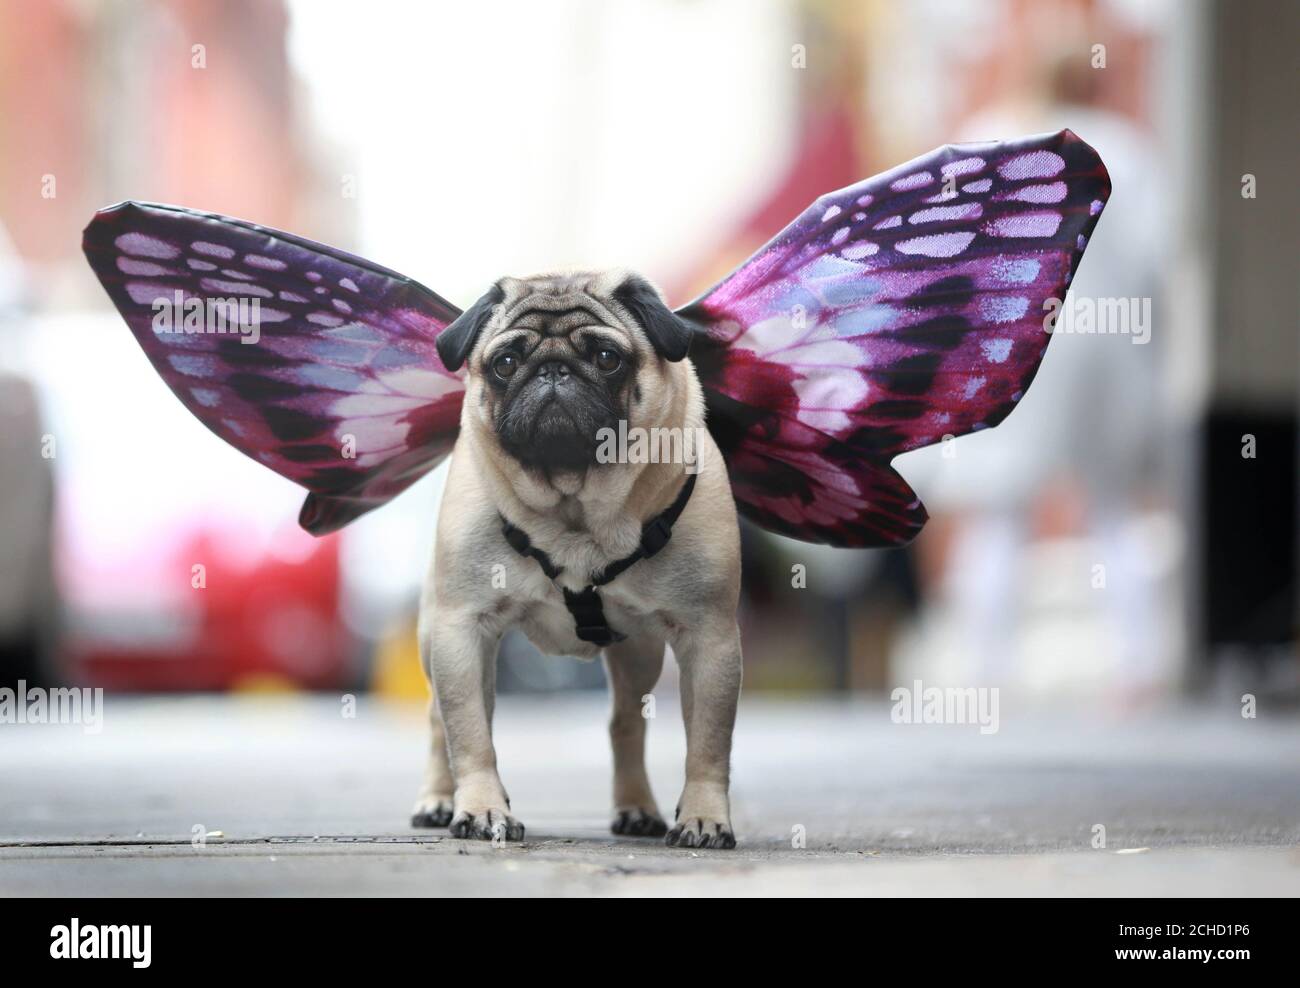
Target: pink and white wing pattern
x,y
316,363
894,313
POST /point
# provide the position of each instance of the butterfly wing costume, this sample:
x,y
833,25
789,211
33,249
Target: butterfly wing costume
x,y
889,315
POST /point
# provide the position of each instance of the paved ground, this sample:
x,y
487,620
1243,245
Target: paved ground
x,y
1195,801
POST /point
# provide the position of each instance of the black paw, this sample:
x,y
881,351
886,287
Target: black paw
x,y
432,813
637,822
490,825
701,833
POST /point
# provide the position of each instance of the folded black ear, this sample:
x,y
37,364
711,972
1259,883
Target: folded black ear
x,y
669,333
456,341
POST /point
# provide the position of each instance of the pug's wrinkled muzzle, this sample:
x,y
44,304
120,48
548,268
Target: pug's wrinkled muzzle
x,y
552,421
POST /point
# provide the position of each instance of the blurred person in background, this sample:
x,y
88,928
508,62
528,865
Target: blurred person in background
x,y
1081,454
27,595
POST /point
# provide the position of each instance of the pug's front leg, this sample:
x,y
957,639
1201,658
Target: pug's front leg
x,y
709,657
462,661
433,807
633,669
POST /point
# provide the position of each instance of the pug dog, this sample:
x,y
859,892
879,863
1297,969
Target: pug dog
x,y
553,363
898,312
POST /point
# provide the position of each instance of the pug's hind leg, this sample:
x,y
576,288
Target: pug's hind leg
x,y
633,668
433,807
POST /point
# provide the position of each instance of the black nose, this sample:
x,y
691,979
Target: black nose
x,y
554,371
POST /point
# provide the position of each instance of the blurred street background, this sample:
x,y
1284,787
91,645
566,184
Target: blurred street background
x,y
1123,548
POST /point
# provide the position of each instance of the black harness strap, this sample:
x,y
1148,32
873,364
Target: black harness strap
x,y
585,605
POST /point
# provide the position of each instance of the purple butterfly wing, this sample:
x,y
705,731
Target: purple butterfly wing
x,y
891,314
314,362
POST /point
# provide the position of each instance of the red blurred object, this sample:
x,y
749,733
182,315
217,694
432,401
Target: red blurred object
x,y
826,159
272,619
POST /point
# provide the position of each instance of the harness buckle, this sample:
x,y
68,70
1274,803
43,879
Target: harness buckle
x,y
655,536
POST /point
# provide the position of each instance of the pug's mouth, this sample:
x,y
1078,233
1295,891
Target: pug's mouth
x,y
554,440
554,420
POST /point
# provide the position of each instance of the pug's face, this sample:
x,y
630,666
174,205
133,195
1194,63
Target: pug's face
x,y
553,360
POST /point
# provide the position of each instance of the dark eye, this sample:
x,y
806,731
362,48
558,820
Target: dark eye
x,y
505,366
607,361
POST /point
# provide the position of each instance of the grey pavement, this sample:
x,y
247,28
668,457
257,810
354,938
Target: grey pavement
x,y
1194,801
